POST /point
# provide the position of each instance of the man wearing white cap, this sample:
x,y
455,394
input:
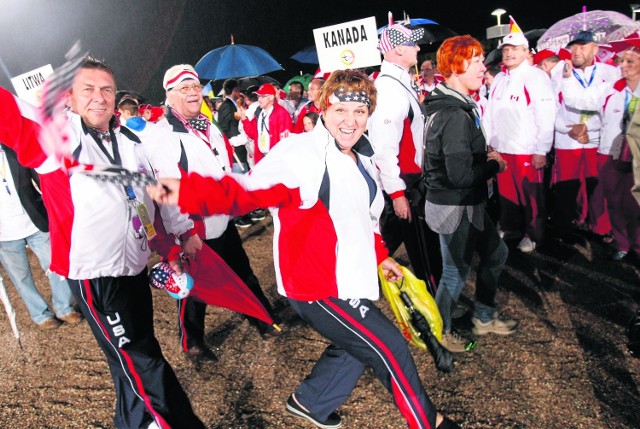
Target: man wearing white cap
x,y
185,139
519,122
396,134
579,200
270,124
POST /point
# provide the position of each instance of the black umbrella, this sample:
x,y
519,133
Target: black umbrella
x,y
441,356
494,57
247,82
433,32
130,94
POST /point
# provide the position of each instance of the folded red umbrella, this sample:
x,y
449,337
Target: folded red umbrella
x,y
215,283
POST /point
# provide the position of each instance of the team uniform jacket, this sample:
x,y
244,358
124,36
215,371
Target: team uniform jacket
x,y
92,235
279,121
520,114
396,136
595,74
609,99
172,147
309,107
326,236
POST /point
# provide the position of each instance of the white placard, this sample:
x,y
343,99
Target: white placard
x,y
28,85
349,45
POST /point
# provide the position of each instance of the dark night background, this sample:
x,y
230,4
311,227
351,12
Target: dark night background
x,y
142,38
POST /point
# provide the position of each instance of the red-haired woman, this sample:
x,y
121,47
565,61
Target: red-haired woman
x,y
457,168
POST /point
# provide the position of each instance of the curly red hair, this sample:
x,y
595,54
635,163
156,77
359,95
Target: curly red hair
x,y
453,53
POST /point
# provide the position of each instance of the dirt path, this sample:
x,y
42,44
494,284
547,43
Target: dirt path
x,y
567,367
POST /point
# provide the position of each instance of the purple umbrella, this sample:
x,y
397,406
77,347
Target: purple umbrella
x,y
606,25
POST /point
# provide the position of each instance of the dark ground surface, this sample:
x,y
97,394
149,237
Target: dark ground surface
x,y
567,366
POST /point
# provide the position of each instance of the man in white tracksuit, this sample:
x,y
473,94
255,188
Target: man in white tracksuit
x,y
519,122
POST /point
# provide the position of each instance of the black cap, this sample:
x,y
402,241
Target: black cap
x,y
582,38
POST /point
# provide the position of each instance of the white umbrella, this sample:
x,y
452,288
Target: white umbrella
x,y
11,314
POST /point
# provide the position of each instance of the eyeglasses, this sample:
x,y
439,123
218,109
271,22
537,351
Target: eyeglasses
x,y
409,44
425,70
188,88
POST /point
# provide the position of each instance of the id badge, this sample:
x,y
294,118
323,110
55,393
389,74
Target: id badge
x,y
147,225
585,115
263,142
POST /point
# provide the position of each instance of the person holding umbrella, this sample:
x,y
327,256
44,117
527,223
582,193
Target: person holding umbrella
x,y
323,185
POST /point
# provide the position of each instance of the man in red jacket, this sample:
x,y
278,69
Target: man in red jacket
x,y
271,123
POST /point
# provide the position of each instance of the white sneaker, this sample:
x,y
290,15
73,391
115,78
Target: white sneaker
x,y
526,245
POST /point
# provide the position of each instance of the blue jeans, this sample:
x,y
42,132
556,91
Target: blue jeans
x,y
13,255
457,253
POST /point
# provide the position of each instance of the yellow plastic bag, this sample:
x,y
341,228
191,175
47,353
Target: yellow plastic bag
x,y
422,301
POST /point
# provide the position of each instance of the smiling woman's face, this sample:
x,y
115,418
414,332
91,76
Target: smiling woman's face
x,y
346,122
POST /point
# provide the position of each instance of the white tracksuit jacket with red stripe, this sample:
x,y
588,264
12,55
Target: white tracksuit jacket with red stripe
x,y
321,249
397,139
520,115
609,99
91,221
593,75
163,146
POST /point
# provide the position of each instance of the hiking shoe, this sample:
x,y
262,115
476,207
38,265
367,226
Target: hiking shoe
x,y
242,222
455,343
72,318
258,215
294,407
49,324
526,245
494,326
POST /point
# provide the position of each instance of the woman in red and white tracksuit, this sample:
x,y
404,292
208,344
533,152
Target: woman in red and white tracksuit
x,y
325,201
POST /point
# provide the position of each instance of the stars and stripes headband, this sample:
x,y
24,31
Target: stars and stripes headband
x,y
344,96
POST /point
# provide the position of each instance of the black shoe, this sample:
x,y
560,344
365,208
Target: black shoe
x,y
242,222
258,215
201,353
618,255
447,423
294,407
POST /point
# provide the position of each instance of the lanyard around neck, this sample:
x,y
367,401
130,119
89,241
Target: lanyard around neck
x,y
585,85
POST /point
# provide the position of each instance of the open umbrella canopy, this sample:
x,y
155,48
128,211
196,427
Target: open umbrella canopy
x,y
235,61
433,32
303,79
308,55
606,25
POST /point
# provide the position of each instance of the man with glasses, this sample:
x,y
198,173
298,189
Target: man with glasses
x,y
315,86
186,140
429,77
396,133
270,124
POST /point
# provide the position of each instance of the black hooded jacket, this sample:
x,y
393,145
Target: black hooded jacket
x,y
456,166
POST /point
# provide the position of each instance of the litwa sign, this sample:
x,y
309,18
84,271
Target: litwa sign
x,y
349,45
28,86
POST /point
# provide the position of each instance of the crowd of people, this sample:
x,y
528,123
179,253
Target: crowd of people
x,y
357,166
